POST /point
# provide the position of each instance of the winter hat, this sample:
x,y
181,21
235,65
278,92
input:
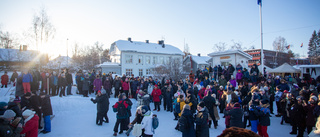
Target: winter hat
x,y
221,87
2,104
299,97
286,91
42,93
9,114
98,91
190,92
295,86
201,104
103,91
314,98
236,105
28,94
17,99
239,70
144,109
155,85
28,113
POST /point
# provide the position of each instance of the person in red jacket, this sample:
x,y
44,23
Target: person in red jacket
x,y
156,93
30,127
4,80
125,87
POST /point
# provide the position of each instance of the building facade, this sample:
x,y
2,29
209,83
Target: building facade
x,y
194,63
234,57
272,58
138,58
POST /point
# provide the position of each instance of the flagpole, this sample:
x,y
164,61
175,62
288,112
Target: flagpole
x,y
262,55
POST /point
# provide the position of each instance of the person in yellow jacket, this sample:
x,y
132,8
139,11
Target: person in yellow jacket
x,y
181,102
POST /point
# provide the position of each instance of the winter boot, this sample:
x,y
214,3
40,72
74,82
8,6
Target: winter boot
x,y
115,134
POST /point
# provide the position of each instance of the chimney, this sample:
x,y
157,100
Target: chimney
x,y
129,39
199,54
25,48
147,41
160,42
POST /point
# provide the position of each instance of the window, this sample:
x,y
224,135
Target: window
x,y
140,72
128,72
168,60
148,71
129,59
140,59
148,60
154,60
161,60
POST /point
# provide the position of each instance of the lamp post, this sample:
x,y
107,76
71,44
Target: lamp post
x,y
67,54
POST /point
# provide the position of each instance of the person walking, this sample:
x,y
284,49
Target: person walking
x,y
202,128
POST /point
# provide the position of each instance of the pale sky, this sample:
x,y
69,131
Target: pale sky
x,y
200,24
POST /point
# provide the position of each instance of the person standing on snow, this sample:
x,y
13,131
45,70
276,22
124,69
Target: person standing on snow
x,y
102,106
146,123
121,107
62,83
97,84
46,111
4,80
69,82
202,128
156,93
26,80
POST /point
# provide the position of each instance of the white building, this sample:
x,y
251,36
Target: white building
x,y
234,57
139,57
308,71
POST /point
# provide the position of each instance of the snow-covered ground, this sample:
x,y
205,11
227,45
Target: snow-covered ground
x,y
76,115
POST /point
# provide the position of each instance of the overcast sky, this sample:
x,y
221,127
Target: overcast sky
x,y
200,24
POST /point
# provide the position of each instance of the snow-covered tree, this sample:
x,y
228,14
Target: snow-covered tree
x,y
314,48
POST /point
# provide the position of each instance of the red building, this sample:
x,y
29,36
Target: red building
x,y
272,58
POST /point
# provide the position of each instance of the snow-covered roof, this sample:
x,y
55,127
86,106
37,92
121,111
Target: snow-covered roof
x,y
200,59
15,55
108,64
60,62
306,66
142,47
228,52
285,68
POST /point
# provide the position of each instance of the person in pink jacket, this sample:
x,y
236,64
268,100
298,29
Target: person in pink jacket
x,y
156,93
125,87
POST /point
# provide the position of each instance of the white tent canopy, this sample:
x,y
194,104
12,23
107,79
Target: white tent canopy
x,y
285,68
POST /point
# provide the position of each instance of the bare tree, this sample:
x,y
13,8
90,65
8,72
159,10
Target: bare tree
x,y
236,45
252,47
221,46
173,70
8,40
186,50
42,29
280,44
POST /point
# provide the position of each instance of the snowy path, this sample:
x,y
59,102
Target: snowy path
x,y
75,117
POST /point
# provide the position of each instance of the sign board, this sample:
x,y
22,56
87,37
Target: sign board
x,y
225,57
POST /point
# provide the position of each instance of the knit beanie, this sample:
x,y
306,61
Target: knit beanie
x,y
28,113
9,114
314,98
2,104
201,104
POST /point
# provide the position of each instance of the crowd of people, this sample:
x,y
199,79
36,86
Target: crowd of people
x,y
244,98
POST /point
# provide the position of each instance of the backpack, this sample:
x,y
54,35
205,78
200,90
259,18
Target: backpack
x,y
155,122
177,108
122,111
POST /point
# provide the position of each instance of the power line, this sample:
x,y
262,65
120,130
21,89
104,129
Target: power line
x,y
292,29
